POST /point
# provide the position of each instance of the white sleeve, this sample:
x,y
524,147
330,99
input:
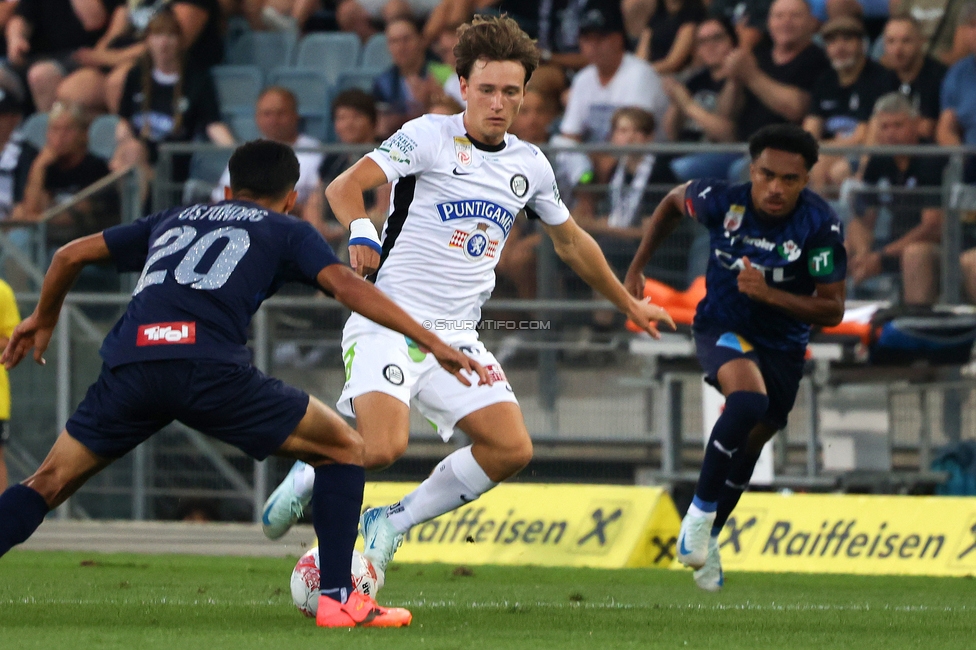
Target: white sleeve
x,y
544,201
411,150
218,191
653,97
574,119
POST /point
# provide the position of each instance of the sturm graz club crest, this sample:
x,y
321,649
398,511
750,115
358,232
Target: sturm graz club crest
x,y
519,185
393,374
475,244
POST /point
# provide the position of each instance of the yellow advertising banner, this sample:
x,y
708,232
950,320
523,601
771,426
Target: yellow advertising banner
x,y
933,536
549,525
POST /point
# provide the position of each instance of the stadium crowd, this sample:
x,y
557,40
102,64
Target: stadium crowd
x,y
851,72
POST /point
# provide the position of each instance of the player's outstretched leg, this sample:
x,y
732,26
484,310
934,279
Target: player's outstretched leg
x,y
23,507
330,445
501,447
287,503
743,409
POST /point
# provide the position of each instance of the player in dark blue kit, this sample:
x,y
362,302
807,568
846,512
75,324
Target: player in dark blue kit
x,y
178,353
777,266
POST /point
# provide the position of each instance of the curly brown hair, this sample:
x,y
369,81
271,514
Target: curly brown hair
x,y
494,38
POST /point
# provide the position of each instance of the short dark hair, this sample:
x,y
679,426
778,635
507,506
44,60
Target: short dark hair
x,y
358,100
785,137
263,169
726,26
494,38
643,119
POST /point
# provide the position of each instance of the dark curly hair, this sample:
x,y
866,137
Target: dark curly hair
x,y
785,137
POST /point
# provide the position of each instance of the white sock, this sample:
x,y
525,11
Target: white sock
x,y
304,480
457,480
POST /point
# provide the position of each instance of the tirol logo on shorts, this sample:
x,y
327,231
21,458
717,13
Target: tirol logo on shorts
x,y
519,185
167,334
393,374
495,372
474,244
821,262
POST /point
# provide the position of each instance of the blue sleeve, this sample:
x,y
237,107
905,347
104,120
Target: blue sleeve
x,y
129,243
309,252
706,201
949,95
826,255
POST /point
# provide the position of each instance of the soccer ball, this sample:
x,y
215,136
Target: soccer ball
x,y
305,580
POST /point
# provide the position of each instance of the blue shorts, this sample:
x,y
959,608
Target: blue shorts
x,y
781,371
233,403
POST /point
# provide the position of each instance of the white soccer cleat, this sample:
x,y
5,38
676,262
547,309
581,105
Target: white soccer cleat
x,y
380,539
696,530
710,576
285,505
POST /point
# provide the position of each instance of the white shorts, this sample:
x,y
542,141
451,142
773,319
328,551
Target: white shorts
x,y
380,360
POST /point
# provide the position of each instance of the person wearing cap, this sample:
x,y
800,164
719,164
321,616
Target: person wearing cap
x,y
775,79
843,98
613,79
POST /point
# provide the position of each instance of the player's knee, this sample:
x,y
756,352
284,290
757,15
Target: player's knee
x,y
380,456
516,455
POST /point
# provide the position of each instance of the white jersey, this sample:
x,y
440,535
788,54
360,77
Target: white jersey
x,y
454,202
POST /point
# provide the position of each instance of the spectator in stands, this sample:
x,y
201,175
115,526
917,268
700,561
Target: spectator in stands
x,y
41,40
613,79
701,107
279,15
62,168
165,101
108,63
668,41
404,91
361,16
957,122
354,118
13,170
276,116
443,47
942,30
920,75
911,241
777,79
843,98
444,105
535,119
750,18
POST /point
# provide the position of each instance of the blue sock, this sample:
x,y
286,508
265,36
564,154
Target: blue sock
x,y
743,410
743,465
22,510
337,500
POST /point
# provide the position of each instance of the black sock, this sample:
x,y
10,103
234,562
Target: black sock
x,y
739,474
22,510
743,410
337,500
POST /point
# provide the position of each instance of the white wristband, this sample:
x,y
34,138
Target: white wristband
x,y
362,232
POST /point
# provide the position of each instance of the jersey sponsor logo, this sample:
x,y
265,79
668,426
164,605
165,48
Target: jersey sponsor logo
x,y
761,242
475,244
519,185
733,218
477,208
397,147
789,251
732,263
179,333
821,262
463,151
393,374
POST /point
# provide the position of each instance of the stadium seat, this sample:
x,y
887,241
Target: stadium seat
x,y
238,87
311,88
330,53
375,53
101,136
244,128
267,50
208,166
35,130
361,78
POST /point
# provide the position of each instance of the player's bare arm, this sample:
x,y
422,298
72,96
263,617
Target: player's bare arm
x,y
345,196
825,307
662,223
575,247
362,297
35,331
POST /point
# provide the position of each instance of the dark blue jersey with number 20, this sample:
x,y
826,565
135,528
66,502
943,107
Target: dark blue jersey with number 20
x,y
795,253
205,271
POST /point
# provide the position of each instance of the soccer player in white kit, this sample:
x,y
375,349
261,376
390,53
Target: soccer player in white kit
x,y
459,182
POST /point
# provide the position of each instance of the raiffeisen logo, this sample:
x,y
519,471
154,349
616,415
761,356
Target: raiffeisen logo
x,y
477,209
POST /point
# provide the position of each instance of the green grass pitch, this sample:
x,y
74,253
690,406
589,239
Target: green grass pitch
x,y
87,600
